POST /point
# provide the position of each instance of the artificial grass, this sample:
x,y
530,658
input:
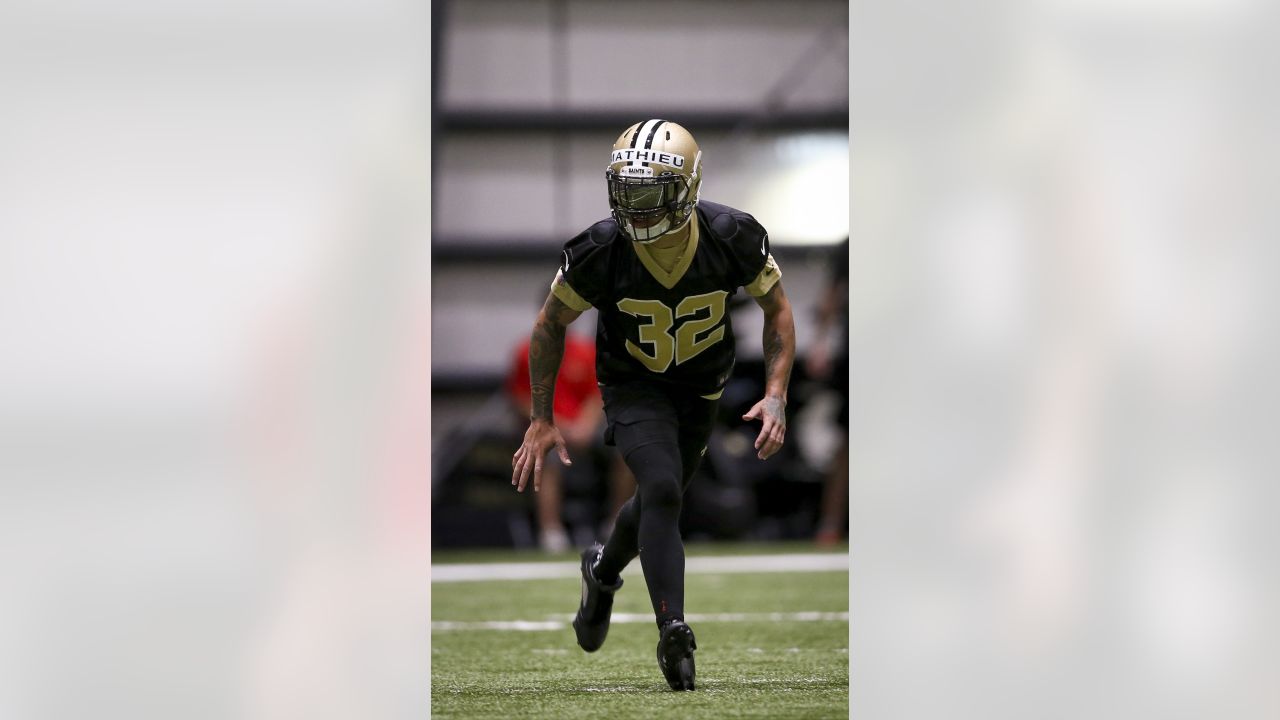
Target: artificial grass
x,y
752,668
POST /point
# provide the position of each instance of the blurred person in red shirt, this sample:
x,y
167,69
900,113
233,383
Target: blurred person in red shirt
x,y
579,413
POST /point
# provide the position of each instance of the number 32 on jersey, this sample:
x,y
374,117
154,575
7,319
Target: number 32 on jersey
x,y
697,313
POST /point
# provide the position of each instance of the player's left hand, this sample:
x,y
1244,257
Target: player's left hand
x,y
772,410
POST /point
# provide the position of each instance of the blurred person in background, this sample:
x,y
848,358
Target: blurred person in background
x,y
662,257
828,360
579,412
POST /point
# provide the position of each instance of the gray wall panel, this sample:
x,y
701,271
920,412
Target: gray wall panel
x,y
487,185
497,52
706,55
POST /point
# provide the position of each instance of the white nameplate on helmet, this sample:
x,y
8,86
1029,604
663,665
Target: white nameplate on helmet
x,y
638,155
636,171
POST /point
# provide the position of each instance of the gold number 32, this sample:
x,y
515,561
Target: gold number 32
x,y
685,344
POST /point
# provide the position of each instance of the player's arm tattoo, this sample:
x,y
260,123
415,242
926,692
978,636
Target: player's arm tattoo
x,y
779,346
546,350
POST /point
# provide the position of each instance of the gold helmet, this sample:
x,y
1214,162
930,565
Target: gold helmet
x,y
653,175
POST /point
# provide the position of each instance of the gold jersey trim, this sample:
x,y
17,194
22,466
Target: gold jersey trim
x,y
668,280
567,295
713,396
768,277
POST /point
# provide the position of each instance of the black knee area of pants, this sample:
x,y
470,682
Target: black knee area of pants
x,y
652,451
657,470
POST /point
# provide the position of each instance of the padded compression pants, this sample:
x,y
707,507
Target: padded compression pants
x,y
662,435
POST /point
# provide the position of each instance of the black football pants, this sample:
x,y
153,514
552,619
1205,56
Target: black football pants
x,y
662,433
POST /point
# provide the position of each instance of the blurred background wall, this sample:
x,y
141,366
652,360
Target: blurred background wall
x,y
1064,342
531,94
213,312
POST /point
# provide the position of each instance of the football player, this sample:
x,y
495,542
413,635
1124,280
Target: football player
x,y
660,272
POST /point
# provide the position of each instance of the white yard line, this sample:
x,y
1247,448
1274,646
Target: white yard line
x,y
535,625
521,625
812,562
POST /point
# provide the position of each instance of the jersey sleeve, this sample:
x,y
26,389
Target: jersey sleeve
x,y
752,265
764,280
582,280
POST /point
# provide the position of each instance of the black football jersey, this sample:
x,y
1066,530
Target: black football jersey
x,y
671,327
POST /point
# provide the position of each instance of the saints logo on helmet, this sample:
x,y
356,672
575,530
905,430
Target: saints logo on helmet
x,y
653,175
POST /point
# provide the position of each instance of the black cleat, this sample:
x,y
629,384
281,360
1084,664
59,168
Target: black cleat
x,y
591,624
675,655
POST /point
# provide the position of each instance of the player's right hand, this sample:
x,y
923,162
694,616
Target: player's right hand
x,y
541,436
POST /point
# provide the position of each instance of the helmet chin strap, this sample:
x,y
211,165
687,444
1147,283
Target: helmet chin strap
x,y
666,221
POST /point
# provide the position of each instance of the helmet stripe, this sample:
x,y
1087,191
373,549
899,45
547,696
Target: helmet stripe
x,y
648,143
646,129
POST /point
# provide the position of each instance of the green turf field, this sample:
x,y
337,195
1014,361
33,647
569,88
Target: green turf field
x,y
770,645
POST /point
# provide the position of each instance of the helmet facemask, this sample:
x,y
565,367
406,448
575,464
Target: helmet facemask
x,y
648,208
